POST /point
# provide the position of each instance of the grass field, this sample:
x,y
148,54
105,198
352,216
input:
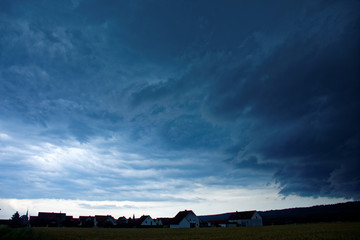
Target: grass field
x,y
316,231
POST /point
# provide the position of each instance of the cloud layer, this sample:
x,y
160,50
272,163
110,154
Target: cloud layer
x,y
148,100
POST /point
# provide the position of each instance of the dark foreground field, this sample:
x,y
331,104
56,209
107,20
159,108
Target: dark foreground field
x,y
316,231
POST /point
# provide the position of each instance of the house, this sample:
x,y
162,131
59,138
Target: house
x,y
245,219
76,222
164,222
122,222
104,221
158,222
47,219
217,220
86,221
217,223
232,219
145,221
185,219
70,221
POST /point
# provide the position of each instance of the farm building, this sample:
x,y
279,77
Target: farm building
x,y
47,219
245,219
232,219
185,219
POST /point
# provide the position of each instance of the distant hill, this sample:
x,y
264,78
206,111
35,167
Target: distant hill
x,y
349,211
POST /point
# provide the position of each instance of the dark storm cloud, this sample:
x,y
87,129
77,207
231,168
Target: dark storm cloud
x,y
292,97
242,89
304,107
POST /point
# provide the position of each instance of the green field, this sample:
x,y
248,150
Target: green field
x,y
344,231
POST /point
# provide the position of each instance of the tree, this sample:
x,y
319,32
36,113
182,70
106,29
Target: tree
x,y
24,220
15,220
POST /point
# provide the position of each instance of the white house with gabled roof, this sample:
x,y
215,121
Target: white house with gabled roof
x,y
185,219
145,221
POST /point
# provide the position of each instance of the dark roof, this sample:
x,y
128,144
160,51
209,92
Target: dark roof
x,y
49,213
242,215
84,218
165,221
51,216
101,218
216,217
142,219
227,216
180,216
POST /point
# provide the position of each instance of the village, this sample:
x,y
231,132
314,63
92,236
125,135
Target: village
x,y
348,211
337,221
183,219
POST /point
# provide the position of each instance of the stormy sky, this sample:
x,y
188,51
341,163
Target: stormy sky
x,y
154,106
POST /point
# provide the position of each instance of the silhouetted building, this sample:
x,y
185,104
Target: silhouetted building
x,y
47,219
86,221
104,221
233,219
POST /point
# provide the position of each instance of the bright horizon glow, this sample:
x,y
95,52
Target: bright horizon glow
x,y
118,209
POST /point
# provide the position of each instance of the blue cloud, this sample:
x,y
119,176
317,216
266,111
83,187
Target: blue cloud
x,y
244,93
